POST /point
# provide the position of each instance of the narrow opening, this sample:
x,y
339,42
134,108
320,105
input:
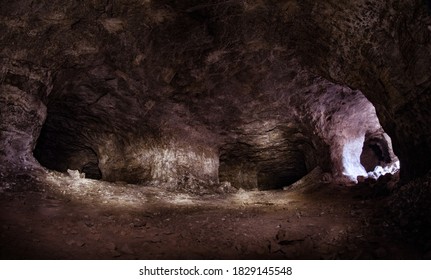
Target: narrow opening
x,y
56,150
282,173
375,152
92,171
267,181
377,156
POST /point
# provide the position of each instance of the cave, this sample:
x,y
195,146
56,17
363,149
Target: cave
x,y
377,151
55,154
246,129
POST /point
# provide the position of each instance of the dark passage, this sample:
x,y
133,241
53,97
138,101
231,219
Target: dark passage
x,y
53,152
375,152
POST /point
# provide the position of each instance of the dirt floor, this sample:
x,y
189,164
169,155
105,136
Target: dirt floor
x,y
55,216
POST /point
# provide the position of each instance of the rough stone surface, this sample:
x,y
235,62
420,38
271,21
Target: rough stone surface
x,y
22,118
250,92
384,49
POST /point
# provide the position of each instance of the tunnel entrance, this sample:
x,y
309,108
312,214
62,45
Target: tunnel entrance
x,y
92,171
375,152
377,156
56,150
265,165
268,181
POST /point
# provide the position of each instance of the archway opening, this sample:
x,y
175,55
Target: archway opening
x,y
273,180
375,152
55,154
377,156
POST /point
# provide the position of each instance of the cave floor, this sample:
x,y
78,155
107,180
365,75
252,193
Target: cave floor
x,y
57,217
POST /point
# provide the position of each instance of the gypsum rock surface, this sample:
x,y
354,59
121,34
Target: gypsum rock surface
x,y
383,49
136,77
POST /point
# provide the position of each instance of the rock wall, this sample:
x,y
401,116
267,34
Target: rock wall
x,y
251,92
384,49
169,163
22,115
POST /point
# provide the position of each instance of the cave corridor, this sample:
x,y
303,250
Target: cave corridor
x,y
245,129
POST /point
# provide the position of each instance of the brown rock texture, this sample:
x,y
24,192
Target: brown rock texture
x,y
192,129
198,92
382,48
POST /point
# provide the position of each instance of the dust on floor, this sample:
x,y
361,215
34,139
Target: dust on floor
x,y
58,217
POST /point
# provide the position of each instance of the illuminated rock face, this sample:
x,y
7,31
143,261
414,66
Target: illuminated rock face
x,y
22,116
383,49
180,92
